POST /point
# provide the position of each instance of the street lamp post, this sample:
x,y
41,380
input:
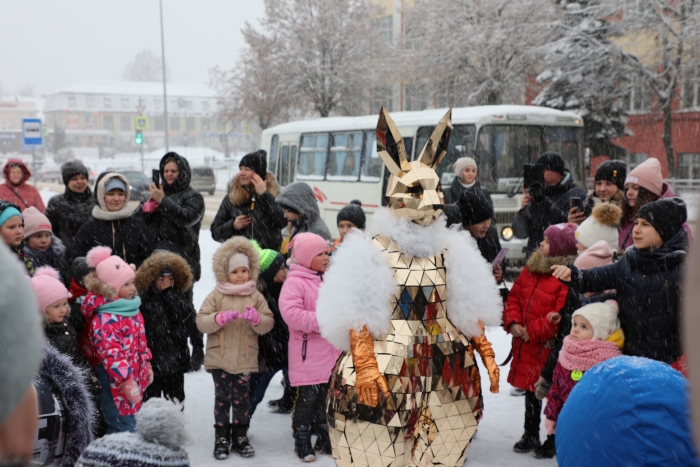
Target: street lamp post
x,y
165,92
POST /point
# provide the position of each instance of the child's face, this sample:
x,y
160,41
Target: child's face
x,y
581,330
544,246
127,290
645,235
57,311
605,189
344,227
240,275
164,282
281,275
468,175
580,247
39,241
479,230
13,231
320,262
632,194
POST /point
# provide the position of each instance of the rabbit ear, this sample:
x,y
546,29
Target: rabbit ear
x,y
390,144
436,147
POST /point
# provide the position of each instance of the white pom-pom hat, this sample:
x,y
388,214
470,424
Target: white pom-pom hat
x,y
47,287
110,269
602,316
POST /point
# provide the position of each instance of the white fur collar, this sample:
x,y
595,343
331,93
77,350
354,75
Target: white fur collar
x,y
413,239
101,214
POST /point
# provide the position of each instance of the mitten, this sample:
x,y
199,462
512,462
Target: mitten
x,y
251,314
537,191
551,426
542,386
149,206
488,356
368,380
131,391
197,358
224,317
149,373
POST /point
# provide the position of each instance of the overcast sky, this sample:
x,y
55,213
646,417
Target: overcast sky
x,y
51,44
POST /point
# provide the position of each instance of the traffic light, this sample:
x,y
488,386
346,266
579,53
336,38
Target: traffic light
x,y
139,137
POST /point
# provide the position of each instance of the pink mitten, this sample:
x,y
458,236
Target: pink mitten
x,y
149,206
251,314
551,426
131,391
149,372
225,317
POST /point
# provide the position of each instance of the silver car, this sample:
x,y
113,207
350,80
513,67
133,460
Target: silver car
x,y
203,179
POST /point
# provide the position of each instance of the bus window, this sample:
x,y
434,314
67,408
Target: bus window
x,y
565,141
344,160
312,157
284,178
461,144
292,162
272,157
372,164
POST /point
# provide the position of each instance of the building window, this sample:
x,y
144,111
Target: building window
x,y
689,166
174,123
89,101
205,106
189,123
206,124
411,31
107,103
125,122
108,122
639,98
158,123
634,159
71,101
415,97
159,104
382,96
690,91
386,28
125,102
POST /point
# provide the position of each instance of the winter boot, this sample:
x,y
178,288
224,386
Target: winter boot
x,y
239,441
323,440
547,450
302,444
527,443
221,445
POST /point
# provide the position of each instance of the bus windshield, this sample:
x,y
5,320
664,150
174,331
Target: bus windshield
x,y
461,144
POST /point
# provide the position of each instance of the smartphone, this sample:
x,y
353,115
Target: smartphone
x,y
531,174
155,176
576,202
500,257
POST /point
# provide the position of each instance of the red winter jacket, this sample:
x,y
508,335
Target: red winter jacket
x,y
22,195
534,294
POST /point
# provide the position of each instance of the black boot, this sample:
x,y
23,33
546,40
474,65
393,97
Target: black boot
x,y
323,440
547,450
221,443
527,443
239,441
302,444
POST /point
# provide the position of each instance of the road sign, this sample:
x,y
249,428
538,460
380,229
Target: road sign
x,y
142,123
31,131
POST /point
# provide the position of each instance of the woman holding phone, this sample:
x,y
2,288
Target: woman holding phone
x,y
609,188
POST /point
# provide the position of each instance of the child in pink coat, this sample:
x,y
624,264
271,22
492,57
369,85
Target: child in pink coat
x,y
311,357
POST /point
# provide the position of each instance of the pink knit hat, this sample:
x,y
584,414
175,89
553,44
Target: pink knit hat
x,y
598,254
647,175
112,270
562,239
34,222
306,246
47,287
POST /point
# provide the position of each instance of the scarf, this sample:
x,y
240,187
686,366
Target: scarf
x,y
101,214
583,355
244,289
469,185
122,307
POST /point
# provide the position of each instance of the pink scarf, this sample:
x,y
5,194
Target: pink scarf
x,y
583,355
227,288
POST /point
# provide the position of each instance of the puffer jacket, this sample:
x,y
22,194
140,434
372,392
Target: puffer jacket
x,y
268,218
534,294
532,220
648,287
22,195
625,238
169,315
177,219
68,212
311,357
233,347
300,197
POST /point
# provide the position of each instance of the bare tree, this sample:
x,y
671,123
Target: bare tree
x,y
146,66
27,90
475,52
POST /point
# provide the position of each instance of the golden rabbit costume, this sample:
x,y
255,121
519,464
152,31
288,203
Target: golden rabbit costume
x,y
407,390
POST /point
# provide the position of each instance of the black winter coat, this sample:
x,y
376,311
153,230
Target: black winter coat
x,y
454,192
129,238
268,217
178,218
273,345
63,338
68,212
169,317
532,220
648,293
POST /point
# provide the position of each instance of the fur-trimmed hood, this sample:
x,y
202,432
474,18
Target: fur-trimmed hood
x,y
541,264
101,183
229,248
149,270
239,195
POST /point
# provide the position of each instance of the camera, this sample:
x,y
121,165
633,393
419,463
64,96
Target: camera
x,y
532,174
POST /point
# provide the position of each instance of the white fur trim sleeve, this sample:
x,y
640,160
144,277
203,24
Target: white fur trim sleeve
x,y
357,291
472,293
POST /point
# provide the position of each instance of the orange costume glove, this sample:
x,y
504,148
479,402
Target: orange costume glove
x,y
488,356
368,380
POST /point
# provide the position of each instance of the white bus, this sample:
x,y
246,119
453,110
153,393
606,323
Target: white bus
x,y
337,156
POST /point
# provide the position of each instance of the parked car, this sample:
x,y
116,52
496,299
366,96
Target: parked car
x,y
52,174
203,179
104,152
138,182
63,155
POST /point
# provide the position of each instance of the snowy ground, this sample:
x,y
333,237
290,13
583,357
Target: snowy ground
x,y
270,433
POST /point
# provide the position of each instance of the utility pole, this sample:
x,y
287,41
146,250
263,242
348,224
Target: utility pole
x,y
165,92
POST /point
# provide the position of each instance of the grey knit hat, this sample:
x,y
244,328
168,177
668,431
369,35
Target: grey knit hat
x,y
160,431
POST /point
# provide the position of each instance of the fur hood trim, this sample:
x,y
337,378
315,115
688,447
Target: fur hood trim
x,y
357,290
413,239
149,270
540,264
607,214
238,195
96,286
229,248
